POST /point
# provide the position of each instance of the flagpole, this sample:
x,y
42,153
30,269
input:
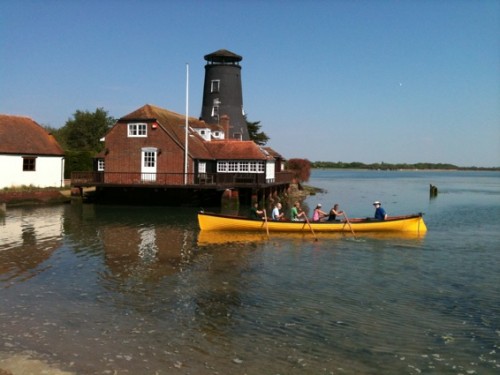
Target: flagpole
x,y
187,128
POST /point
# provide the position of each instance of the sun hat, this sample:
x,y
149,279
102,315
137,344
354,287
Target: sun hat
x,y
318,205
376,202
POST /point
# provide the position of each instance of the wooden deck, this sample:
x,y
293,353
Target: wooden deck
x,y
178,180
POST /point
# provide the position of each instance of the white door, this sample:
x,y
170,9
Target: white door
x,y
148,164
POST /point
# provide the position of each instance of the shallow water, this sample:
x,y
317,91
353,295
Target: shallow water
x,y
137,290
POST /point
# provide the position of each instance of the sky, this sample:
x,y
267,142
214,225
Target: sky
x,y
368,81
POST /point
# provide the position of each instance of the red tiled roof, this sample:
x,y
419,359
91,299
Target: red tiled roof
x,y
173,123
233,149
273,152
22,135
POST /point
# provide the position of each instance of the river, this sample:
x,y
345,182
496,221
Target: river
x,y
96,289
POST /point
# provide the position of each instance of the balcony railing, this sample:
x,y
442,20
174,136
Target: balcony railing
x,y
176,179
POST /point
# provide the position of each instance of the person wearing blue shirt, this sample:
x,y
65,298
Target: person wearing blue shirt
x,y
379,211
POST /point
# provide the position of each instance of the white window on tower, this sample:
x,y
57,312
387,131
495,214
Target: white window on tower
x,y
215,85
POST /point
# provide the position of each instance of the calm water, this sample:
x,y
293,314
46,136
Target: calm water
x,y
135,290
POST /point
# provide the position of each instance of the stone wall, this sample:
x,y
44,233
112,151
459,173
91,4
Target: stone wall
x,y
16,198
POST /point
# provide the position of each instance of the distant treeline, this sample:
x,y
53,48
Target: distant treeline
x,y
387,166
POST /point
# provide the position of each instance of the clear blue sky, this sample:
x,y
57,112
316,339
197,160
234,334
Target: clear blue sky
x,y
371,81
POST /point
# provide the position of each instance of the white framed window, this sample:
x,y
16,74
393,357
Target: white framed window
x,y
233,166
244,167
100,165
221,166
137,130
149,160
215,85
202,167
241,166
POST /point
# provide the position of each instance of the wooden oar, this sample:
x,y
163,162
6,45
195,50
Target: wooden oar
x,y
266,223
349,223
310,227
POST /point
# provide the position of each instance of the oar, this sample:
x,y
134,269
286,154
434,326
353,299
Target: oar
x,y
349,223
310,227
265,221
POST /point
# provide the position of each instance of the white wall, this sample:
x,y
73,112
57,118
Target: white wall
x,y
270,171
49,172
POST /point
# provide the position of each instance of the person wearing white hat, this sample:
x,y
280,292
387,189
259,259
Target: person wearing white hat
x,y
379,211
318,214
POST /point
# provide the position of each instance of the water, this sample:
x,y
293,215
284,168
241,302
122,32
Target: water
x,y
136,290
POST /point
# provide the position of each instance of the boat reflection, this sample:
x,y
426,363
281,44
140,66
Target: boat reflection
x,y
220,237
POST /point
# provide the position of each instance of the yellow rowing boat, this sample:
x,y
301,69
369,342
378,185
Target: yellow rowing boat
x,y
216,222
214,237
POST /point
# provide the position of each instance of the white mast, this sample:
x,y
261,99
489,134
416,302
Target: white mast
x,y
187,128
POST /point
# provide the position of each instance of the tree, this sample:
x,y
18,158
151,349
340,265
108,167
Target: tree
x,y
84,131
81,137
255,135
301,169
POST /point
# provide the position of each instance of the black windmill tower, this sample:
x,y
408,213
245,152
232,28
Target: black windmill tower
x,y
222,93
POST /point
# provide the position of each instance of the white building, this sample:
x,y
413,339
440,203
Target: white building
x,y
29,155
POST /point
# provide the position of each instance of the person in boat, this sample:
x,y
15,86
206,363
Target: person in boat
x,y
276,214
318,214
296,213
255,213
335,212
380,213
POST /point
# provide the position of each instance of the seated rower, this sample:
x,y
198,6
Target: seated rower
x,y
296,213
318,214
276,214
334,212
255,213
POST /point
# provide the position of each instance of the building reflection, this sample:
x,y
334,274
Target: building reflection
x,y
149,251
27,240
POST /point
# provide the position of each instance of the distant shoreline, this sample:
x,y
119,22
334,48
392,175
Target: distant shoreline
x,y
398,167
413,170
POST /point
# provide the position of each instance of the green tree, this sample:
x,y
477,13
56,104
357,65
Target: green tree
x,y
255,134
84,131
81,137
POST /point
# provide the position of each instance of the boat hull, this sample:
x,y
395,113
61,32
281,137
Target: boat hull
x,y
216,222
213,237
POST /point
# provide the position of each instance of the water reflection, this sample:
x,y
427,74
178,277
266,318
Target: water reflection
x,y
28,238
152,251
142,291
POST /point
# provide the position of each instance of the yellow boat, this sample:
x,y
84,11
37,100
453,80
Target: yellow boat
x,y
217,222
213,237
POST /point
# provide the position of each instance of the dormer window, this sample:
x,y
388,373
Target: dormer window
x,y
137,130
